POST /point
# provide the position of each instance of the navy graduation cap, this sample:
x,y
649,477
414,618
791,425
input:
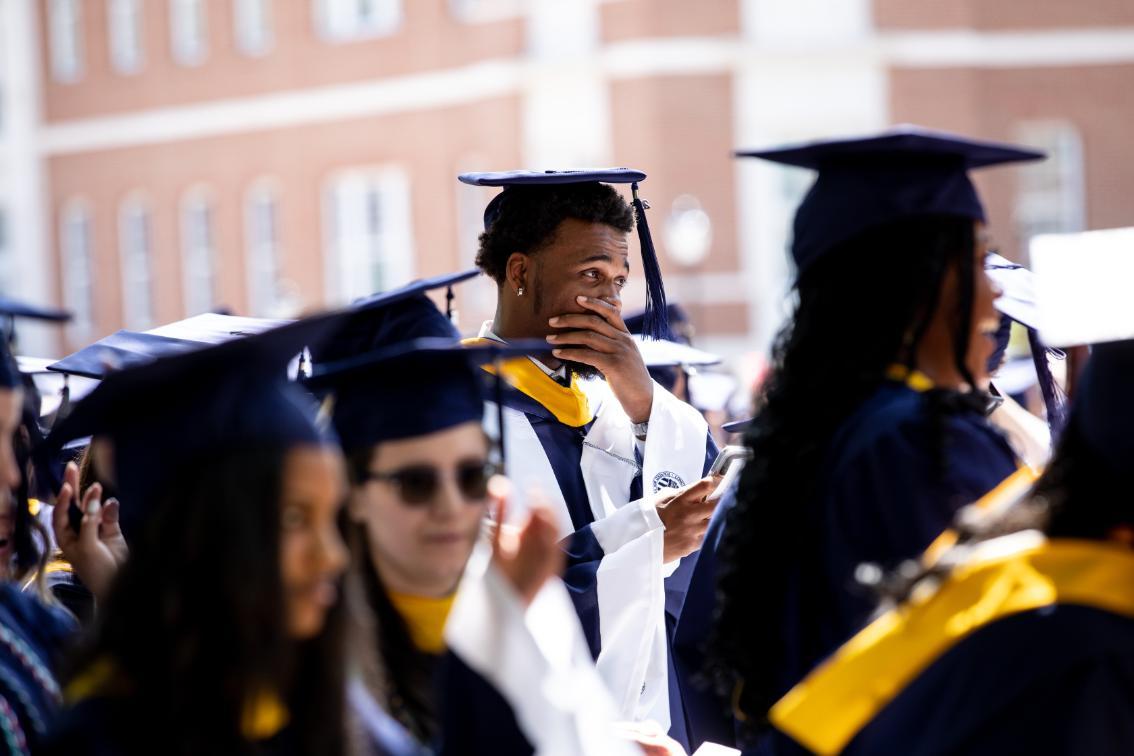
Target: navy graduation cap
x,y
655,318
680,326
409,388
163,414
401,314
870,181
9,310
1103,409
120,350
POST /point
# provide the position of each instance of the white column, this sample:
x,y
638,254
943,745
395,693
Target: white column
x,y
22,180
566,109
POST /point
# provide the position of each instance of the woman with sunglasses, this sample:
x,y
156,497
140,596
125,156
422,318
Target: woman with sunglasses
x,y
410,419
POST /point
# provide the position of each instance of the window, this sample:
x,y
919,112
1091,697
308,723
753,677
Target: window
x,y
484,11
77,268
368,234
189,29
348,20
255,31
262,238
126,35
135,252
1051,196
66,35
198,253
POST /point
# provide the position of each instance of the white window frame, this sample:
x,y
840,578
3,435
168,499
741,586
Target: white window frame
x,y
136,259
362,259
1051,194
254,21
262,249
485,11
189,48
126,27
198,252
65,23
335,21
78,267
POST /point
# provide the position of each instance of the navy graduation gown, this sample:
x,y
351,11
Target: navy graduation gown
x,y
883,497
1057,680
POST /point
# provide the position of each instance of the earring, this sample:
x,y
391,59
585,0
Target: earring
x,y
520,292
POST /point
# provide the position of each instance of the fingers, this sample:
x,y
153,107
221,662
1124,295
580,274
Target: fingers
x,y
63,503
109,526
587,322
92,516
499,488
612,314
592,339
583,355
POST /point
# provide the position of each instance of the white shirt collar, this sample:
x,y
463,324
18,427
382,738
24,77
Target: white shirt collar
x,y
486,332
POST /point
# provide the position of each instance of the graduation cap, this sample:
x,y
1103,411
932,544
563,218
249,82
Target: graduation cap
x,y
120,350
400,314
655,323
409,388
870,181
664,353
1081,284
165,413
738,426
9,310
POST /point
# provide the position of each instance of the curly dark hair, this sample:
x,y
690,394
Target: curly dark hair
x,y
864,306
526,219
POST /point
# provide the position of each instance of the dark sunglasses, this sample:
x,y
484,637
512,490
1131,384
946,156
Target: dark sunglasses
x,y
418,484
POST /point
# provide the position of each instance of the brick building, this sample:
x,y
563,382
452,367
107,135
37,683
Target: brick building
x,y
173,156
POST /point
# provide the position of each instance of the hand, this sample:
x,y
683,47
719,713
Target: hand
x,y
685,514
527,557
600,339
99,548
650,737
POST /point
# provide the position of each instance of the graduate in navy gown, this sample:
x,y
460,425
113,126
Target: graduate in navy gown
x,y
219,633
870,430
586,426
1019,643
33,631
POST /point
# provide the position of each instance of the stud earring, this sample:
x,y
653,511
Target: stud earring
x,y
520,292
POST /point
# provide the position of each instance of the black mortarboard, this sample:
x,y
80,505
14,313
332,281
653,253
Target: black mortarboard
x,y
398,315
867,182
120,350
409,388
9,309
163,414
655,322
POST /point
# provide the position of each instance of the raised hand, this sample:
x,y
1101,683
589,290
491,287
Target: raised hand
x,y
600,339
685,513
528,556
98,550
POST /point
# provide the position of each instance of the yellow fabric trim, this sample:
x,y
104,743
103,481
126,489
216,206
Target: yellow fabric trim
x,y
838,699
34,505
425,618
95,679
568,404
1010,490
915,379
57,565
263,717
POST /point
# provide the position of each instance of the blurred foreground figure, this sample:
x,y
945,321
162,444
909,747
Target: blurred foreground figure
x,y
220,633
1022,643
870,430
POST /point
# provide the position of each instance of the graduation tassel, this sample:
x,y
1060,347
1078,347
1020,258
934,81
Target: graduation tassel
x,y
655,323
498,398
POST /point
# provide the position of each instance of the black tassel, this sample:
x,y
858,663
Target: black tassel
x,y
655,323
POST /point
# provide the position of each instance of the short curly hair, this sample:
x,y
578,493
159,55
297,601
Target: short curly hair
x,y
527,218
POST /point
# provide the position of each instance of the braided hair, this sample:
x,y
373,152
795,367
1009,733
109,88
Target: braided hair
x,y
865,306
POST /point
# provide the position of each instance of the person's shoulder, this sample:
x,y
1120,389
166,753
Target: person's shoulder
x,y
891,418
30,615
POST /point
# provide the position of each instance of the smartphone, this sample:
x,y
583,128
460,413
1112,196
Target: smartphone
x,y
728,464
728,455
